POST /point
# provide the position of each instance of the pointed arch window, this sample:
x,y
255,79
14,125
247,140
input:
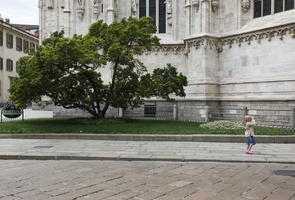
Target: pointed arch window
x,y
155,9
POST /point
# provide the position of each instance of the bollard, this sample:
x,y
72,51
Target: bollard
x,y
120,112
175,112
206,113
292,122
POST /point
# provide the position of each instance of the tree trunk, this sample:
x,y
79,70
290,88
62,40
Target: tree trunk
x,y
101,115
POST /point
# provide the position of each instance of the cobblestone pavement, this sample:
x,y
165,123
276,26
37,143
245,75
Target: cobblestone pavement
x,y
119,180
144,150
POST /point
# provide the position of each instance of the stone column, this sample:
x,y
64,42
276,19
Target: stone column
x,y
203,64
111,12
196,16
41,16
205,16
188,17
67,13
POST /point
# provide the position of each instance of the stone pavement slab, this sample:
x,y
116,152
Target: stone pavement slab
x,y
62,149
137,180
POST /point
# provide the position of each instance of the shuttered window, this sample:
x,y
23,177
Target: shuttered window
x,y
1,63
9,65
1,38
19,44
9,41
26,45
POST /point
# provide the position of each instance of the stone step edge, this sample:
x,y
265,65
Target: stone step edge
x,y
134,137
86,158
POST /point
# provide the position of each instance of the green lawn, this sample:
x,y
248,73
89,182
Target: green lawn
x,y
122,126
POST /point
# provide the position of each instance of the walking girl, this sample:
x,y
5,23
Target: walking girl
x,y
249,124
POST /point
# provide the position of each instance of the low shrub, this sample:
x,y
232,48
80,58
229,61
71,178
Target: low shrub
x,y
222,124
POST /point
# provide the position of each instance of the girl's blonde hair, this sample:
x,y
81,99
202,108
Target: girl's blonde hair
x,y
247,119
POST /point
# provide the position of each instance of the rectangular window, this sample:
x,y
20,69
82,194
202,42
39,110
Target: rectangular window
x,y
279,6
19,44
9,41
1,63
1,38
26,45
9,65
152,11
150,110
266,7
257,8
142,8
289,4
101,8
162,16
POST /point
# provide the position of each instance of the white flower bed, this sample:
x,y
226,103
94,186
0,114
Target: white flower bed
x,y
222,124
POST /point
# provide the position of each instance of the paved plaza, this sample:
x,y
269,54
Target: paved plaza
x,y
64,169
138,180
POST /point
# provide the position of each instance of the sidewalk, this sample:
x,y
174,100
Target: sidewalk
x,y
69,149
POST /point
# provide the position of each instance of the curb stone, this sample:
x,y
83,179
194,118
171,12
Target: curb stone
x,y
132,137
37,157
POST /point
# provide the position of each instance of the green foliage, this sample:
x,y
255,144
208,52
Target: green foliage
x,y
222,124
67,70
164,82
124,126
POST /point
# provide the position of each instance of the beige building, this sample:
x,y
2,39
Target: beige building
x,y
235,53
13,44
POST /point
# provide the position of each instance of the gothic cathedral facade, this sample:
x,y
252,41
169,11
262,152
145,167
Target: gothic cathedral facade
x,y
235,53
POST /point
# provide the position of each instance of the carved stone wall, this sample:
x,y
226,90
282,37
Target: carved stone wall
x,y
216,44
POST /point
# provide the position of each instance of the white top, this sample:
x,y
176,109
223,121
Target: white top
x,y
249,126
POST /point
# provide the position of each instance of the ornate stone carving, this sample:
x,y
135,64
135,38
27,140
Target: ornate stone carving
x,y
207,42
268,34
248,38
187,3
80,8
196,4
245,5
167,49
169,11
96,3
50,4
214,5
81,4
219,43
133,8
96,9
